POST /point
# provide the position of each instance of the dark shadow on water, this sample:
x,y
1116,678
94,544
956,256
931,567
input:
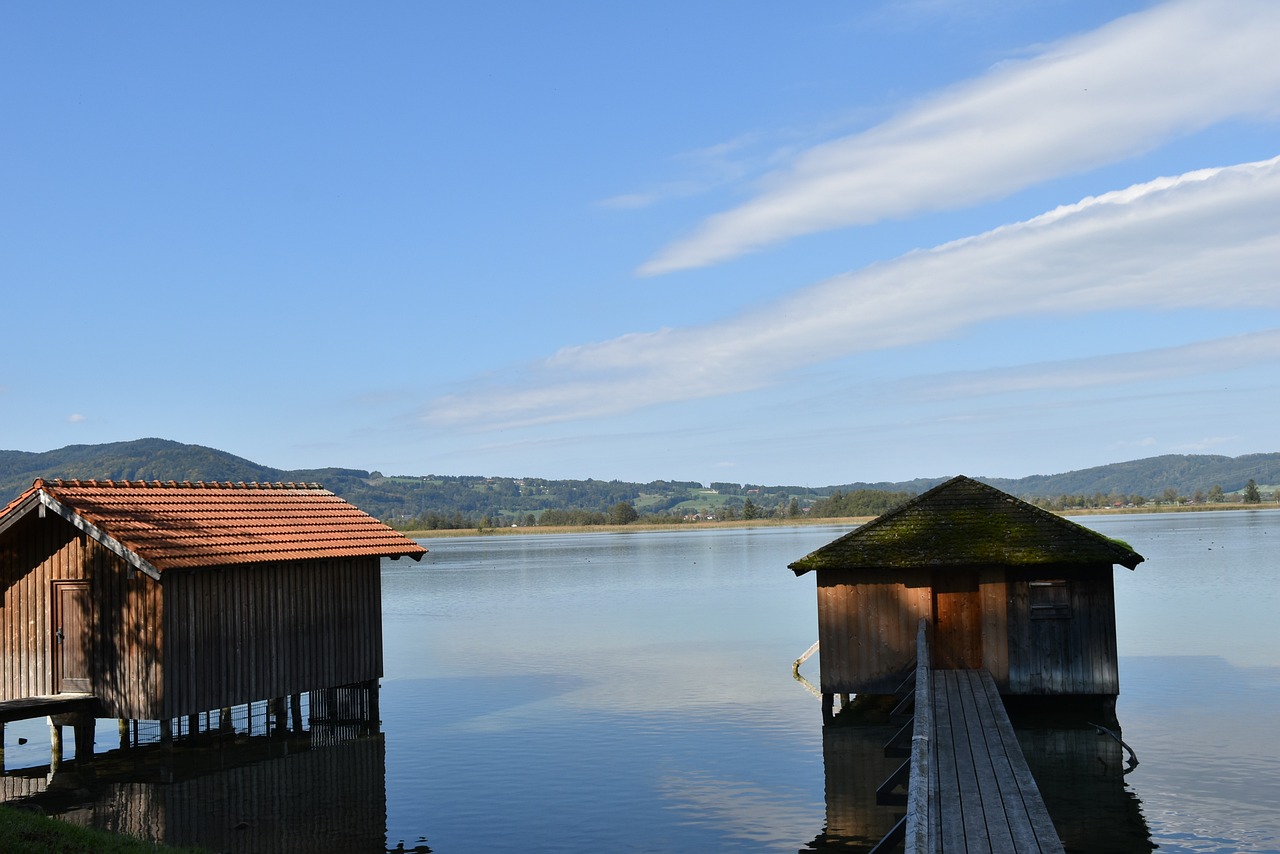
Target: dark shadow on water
x,y
1080,772
855,765
224,793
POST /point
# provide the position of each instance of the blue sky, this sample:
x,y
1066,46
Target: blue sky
x,y
695,241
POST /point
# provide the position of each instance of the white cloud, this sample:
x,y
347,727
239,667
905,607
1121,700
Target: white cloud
x,y
1198,359
1084,102
1205,239
75,418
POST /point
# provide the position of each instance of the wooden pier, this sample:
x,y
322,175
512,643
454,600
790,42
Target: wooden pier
x,y
968,785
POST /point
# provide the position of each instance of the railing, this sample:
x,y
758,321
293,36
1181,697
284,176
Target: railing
x,y
919,823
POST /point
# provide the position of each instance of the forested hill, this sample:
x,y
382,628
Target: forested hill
x,y
459,501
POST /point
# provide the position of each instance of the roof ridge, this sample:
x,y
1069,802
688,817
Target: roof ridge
x,y
109,483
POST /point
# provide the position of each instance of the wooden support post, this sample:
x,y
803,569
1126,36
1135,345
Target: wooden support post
x,y
375,715
55,745
193,723
166,731
828,701
281,715
296,704
122,727
224,719
84,731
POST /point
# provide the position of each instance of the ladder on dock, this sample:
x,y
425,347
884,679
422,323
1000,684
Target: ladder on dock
x,y
968,785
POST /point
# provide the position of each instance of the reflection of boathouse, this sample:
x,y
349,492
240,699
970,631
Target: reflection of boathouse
x,y
221,791
163,600
1007,586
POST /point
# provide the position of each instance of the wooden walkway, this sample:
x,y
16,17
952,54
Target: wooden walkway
x,y
968,785
38,707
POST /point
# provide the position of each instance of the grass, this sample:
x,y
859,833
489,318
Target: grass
x,y
850,522
26,832
636,526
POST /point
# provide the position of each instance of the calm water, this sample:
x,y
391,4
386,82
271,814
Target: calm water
x,y
632,692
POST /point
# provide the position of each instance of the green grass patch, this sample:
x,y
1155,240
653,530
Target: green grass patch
x,y
27,832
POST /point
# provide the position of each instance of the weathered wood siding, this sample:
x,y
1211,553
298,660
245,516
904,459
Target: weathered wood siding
x,y
120,640
867,624
250,632
994,595
1063,642
1069,653
55,552
201,639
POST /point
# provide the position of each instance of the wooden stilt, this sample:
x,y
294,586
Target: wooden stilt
x,y
84,732
828,700
55,745
296,703
375,716
281,714
166,731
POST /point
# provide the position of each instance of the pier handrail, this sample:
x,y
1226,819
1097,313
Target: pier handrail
x,y
919,823
795,668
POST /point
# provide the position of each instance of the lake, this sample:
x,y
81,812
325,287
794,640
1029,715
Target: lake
x,y
632,691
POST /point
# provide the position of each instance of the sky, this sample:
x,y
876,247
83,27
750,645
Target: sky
x,y
715,241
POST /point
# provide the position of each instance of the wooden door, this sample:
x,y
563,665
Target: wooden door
x,y
957,615
72,640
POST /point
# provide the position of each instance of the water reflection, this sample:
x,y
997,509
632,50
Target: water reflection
x,y
854,766
1080,772
1081,776
304,792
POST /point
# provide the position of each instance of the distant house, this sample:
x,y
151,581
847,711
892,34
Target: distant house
x,y
167,599
1007,586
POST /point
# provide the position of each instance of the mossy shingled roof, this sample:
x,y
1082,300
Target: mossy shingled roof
x,y
964,522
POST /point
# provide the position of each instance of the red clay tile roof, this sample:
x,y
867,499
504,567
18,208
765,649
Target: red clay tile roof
x,y
182,525
964,522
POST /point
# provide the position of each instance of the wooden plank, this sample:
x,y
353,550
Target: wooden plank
x,y
950,808
989,796
1046,835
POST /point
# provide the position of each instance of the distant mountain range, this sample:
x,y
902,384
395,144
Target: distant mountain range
x,y
407,497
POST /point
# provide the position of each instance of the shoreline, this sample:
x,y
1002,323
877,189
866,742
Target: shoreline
x,y
800,521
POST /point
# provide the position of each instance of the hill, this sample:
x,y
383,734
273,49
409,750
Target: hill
x,y
464,501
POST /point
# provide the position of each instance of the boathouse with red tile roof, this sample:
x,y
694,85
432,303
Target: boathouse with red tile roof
x,y
1005,586
163,600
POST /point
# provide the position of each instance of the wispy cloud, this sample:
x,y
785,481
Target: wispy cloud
x,y
76,418
1197,359
1209,238
1082,103
706,169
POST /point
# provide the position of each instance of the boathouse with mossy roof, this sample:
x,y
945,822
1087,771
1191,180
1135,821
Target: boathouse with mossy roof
x,y
1006,586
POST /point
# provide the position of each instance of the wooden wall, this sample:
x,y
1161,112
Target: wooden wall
x,y
203,639
867,627
983,617
1070,654
120,642
257,631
